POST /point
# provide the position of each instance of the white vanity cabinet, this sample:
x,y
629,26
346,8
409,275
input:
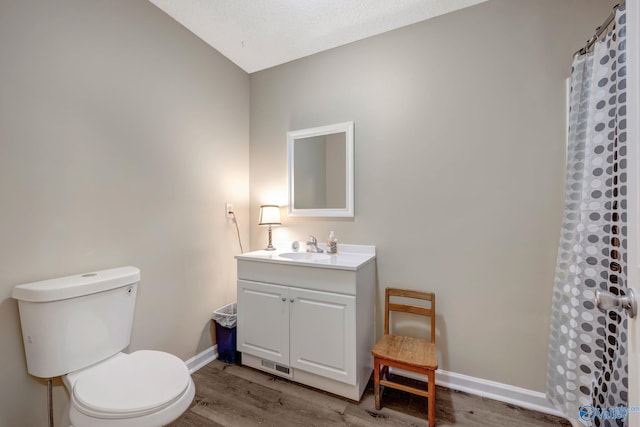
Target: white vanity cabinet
x,y
311,324
299,328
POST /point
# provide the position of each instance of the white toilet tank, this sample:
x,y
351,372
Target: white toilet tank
x,y
73,322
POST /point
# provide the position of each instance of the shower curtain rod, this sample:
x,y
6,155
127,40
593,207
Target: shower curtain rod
x,y
601,29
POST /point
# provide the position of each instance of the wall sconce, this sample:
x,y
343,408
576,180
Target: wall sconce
x,y
269,215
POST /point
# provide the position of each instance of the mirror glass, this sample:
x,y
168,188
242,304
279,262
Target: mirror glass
x,y
320,163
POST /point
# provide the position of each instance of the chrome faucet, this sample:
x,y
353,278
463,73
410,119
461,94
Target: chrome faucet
x,y
312,245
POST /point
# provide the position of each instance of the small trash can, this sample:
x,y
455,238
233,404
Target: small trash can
x,y
226,318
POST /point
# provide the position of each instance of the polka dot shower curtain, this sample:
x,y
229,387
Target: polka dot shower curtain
x,y
587,364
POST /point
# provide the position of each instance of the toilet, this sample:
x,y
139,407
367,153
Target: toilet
x,y
77,327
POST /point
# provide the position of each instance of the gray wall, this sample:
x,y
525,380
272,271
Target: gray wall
x,y
460,139
122,135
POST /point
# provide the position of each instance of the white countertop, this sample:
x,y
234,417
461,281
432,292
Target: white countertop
x,y
349,257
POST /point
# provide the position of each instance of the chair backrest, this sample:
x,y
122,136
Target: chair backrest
x,y
424,311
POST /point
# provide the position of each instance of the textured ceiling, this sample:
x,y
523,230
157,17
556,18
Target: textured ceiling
x,y
258,34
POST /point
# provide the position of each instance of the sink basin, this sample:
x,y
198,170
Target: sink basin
x,y
305,256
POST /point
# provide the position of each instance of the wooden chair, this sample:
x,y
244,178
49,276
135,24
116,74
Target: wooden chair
x,y
408,353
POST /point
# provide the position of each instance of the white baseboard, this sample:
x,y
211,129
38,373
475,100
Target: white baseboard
x,y
518,396
199,360
523,397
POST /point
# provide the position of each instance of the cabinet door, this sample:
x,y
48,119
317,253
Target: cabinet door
x,y
263,321
323,334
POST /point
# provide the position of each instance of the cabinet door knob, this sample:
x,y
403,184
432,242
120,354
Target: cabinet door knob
x,y
284,299
292,300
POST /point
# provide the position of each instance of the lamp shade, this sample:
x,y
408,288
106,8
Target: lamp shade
x,y
269,215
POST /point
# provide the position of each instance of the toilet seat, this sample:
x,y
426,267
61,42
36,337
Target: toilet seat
x,y
130,385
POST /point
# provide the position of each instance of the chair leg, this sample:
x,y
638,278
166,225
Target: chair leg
x,y
376,381
431,402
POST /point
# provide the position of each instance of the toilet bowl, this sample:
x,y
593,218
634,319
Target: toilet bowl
x,y
141,389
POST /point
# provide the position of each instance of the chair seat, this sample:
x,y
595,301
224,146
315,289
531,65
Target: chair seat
x,y
414,352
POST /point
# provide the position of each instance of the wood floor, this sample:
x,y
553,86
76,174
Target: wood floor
x,y
231,395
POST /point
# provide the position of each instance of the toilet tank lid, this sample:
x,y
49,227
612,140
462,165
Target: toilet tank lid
x,y
76,285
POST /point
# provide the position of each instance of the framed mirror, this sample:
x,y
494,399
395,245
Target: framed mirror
x,y
320,171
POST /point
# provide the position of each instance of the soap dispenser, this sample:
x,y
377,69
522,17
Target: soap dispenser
x,y
332,244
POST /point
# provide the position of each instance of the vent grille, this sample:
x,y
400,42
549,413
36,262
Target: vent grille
x,y
281,368
274,366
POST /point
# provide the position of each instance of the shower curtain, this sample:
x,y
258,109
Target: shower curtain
x,y
587,364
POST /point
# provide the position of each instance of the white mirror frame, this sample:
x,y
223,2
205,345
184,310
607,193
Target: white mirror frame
x,y
346,127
